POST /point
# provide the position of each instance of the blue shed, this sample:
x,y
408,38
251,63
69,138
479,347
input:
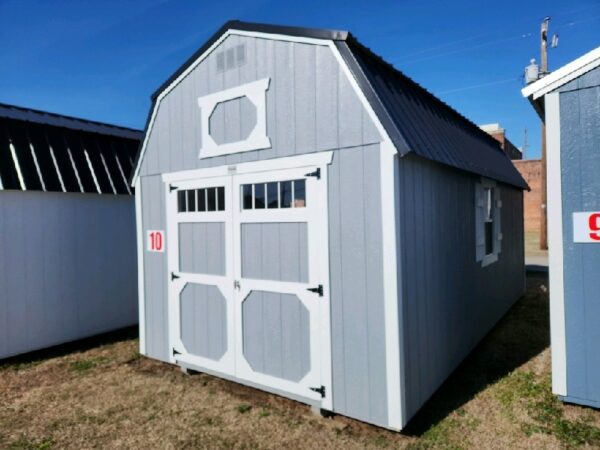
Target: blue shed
x,y
568,101
315,224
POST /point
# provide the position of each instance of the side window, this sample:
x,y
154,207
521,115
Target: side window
x,y
201,200
274,195
488,231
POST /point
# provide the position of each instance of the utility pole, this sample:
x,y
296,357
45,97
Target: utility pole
x,y
525,145
544,72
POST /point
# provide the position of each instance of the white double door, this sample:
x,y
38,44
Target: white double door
x,y
249,277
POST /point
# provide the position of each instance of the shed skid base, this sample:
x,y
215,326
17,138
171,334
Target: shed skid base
x,y
579,401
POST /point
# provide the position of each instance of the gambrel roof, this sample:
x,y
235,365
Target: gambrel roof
x,y
43,151
415,120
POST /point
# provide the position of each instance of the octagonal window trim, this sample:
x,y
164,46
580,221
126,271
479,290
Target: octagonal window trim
x,y
256,93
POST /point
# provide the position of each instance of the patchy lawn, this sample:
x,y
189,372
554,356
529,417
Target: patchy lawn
x,y
101,393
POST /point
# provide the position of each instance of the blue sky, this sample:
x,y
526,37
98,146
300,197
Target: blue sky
x,y
102,60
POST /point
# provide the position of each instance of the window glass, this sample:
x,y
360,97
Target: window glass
x,y
489,220
247,196
259,196
201,200
211,199
299,194
272,195
191,200
181,203
221,198
285,192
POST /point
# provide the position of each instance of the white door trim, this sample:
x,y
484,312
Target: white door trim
x,y
555,251
287,162
226,364
315,215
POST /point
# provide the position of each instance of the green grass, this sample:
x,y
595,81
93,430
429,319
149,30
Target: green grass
x,y
525,390
23,443
83,365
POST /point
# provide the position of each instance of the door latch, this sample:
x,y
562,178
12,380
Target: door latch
x,y
317,290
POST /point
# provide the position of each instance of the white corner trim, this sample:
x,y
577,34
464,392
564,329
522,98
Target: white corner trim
x,y
394,346
256,92
562,76
140,266
555,251
288,162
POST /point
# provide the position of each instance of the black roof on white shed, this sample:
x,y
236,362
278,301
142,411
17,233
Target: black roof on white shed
x,y
416,120
49,152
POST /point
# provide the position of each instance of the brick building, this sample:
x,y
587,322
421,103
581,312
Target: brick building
x,y
531,171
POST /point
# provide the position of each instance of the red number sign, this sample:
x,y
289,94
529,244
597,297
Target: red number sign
x,y
594,224
156,241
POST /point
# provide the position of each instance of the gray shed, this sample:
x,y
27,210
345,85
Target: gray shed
x,y
568,101
67,229
315,224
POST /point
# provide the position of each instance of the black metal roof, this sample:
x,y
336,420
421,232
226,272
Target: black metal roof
x,y
48,152
416,120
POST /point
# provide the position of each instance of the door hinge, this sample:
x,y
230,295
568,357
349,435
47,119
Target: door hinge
x,y
175,352
319,390
173,276
172,188
317,290
316,173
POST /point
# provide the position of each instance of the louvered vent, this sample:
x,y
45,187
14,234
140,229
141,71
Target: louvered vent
x,y
231,58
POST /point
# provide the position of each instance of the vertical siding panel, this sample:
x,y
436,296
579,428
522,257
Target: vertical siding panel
x,y
350,109
304,93
327,114
283,82
353,284
450,300
373,242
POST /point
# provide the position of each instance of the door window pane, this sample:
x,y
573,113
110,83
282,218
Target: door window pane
x,y
299,194
181,203
285,191
272,195
221,198
191,200
211,199
201,200
259,196
247,196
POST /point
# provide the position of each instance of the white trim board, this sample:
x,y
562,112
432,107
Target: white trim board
x,y
140,267
562,76
394,342
555,252
278,37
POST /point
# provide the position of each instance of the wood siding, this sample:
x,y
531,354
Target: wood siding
x,y
67,267
449,301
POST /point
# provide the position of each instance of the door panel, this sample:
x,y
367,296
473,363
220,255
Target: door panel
x,y
249,278
201,273
278,229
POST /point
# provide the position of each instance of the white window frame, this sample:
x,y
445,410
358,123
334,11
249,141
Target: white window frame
x,y
256,93
480,219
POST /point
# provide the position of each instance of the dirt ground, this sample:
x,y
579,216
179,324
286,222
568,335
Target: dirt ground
x,y
101,394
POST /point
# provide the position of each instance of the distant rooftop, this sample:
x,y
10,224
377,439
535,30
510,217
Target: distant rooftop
x,y
43,151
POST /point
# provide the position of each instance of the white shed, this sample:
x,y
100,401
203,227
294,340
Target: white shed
x,y
313,223
67,229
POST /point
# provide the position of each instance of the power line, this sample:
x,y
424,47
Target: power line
x,y
480,85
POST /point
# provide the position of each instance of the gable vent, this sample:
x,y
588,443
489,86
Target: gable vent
x,y
231,58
